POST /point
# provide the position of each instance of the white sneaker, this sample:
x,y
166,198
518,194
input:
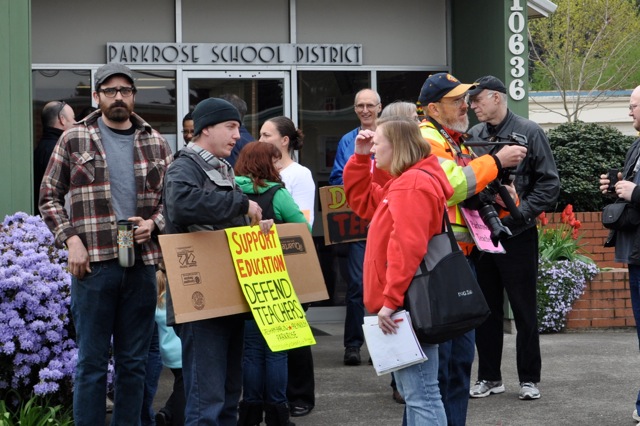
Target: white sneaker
x,y
635,416
484,388
528,390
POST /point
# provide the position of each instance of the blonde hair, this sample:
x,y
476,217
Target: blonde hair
x,y
161,280
399,108
407,142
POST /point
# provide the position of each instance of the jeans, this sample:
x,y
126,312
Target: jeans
x,y
153,371
418,384
212,369
516,272
353,334
117,301
454,376
264,371
634,288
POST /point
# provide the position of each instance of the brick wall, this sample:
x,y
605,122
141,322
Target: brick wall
x,y
606,302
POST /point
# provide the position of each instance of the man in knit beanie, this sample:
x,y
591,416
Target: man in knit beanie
x,y
200,194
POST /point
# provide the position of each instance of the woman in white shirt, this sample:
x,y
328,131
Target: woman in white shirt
x,y
281,132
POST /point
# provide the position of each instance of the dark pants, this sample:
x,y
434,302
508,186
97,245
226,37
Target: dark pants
x,y
174,407
301,386
152,376
516,271
353,334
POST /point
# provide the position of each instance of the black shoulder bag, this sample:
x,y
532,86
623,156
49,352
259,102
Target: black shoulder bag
x,y
444,298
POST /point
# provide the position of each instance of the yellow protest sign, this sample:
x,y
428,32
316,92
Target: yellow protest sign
x,y
262,273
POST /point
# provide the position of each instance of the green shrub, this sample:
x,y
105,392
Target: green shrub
x,y
37,411
583,151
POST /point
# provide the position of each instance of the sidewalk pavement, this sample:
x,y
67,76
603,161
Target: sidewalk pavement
x,y
588,378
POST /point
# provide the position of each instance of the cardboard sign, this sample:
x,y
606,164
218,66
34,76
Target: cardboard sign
x,y
265,283
340,223
479,231
202,278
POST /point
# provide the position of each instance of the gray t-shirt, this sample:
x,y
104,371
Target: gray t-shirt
x,y
118,146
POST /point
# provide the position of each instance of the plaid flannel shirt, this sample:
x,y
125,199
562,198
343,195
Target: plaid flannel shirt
x,y
78,166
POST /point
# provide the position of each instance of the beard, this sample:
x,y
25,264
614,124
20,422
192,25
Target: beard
x,y
459,125
118,111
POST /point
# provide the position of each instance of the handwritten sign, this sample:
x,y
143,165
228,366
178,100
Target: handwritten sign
x,y
262,272
341,224
479,231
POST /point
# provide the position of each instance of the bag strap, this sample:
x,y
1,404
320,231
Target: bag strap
x,y
446,223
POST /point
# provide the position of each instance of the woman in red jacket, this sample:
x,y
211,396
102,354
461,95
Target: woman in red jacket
x,y
405,214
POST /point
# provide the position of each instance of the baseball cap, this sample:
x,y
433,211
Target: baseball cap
x,y
109,70
441,85
488,82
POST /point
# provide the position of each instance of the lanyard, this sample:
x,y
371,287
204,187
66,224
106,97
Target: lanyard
x,y
462,159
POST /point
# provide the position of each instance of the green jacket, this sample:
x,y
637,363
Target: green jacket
x,y
284,207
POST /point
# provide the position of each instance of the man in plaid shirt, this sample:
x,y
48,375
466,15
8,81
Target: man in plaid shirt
x,y
112,165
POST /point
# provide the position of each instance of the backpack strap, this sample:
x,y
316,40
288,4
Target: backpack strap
x,y
265,201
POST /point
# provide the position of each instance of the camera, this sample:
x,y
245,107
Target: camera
x,y
484,201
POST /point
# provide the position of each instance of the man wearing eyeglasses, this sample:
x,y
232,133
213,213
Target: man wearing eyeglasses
x,y
367,107
187,128
57,116
537,185
444,101
112,164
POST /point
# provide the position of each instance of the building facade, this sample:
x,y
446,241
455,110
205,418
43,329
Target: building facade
x,y
297,58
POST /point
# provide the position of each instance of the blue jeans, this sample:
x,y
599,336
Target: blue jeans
x,y
117,301
264,372
454,376
634,288
418,384
154,369
212,369
353,334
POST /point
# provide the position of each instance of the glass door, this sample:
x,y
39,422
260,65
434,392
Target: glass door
x,y
267,94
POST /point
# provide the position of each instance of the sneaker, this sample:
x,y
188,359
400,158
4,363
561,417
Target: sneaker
x,y
484,388
352,356
528,391
635,416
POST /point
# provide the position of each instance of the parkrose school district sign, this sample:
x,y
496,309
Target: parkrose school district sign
x,y
234,54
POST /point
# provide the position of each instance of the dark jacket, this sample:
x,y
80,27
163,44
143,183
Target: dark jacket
x,y
41,156
197,197
537,181
630,252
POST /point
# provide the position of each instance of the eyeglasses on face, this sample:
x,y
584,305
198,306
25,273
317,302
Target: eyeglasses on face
x,y
362,107
110,92
457,102
633,106
61,106
478,98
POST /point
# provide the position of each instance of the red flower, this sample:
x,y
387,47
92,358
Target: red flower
x,y
543,219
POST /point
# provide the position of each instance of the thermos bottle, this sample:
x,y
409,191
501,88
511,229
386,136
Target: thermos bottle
x,y
126,252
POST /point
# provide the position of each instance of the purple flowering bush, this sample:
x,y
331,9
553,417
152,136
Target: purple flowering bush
x,y
563,270
560,283
37,351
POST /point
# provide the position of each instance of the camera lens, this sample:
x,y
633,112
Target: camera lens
x,y
490,218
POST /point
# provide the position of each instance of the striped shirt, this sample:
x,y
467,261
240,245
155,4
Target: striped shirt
x,y
78,166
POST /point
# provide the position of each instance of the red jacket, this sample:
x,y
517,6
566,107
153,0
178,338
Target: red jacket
x,y
404,214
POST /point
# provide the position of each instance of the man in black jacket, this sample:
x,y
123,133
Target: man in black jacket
x,y
537,185
57,116
627,243
200,193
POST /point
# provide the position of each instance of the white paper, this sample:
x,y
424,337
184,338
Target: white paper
x,y
391,352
